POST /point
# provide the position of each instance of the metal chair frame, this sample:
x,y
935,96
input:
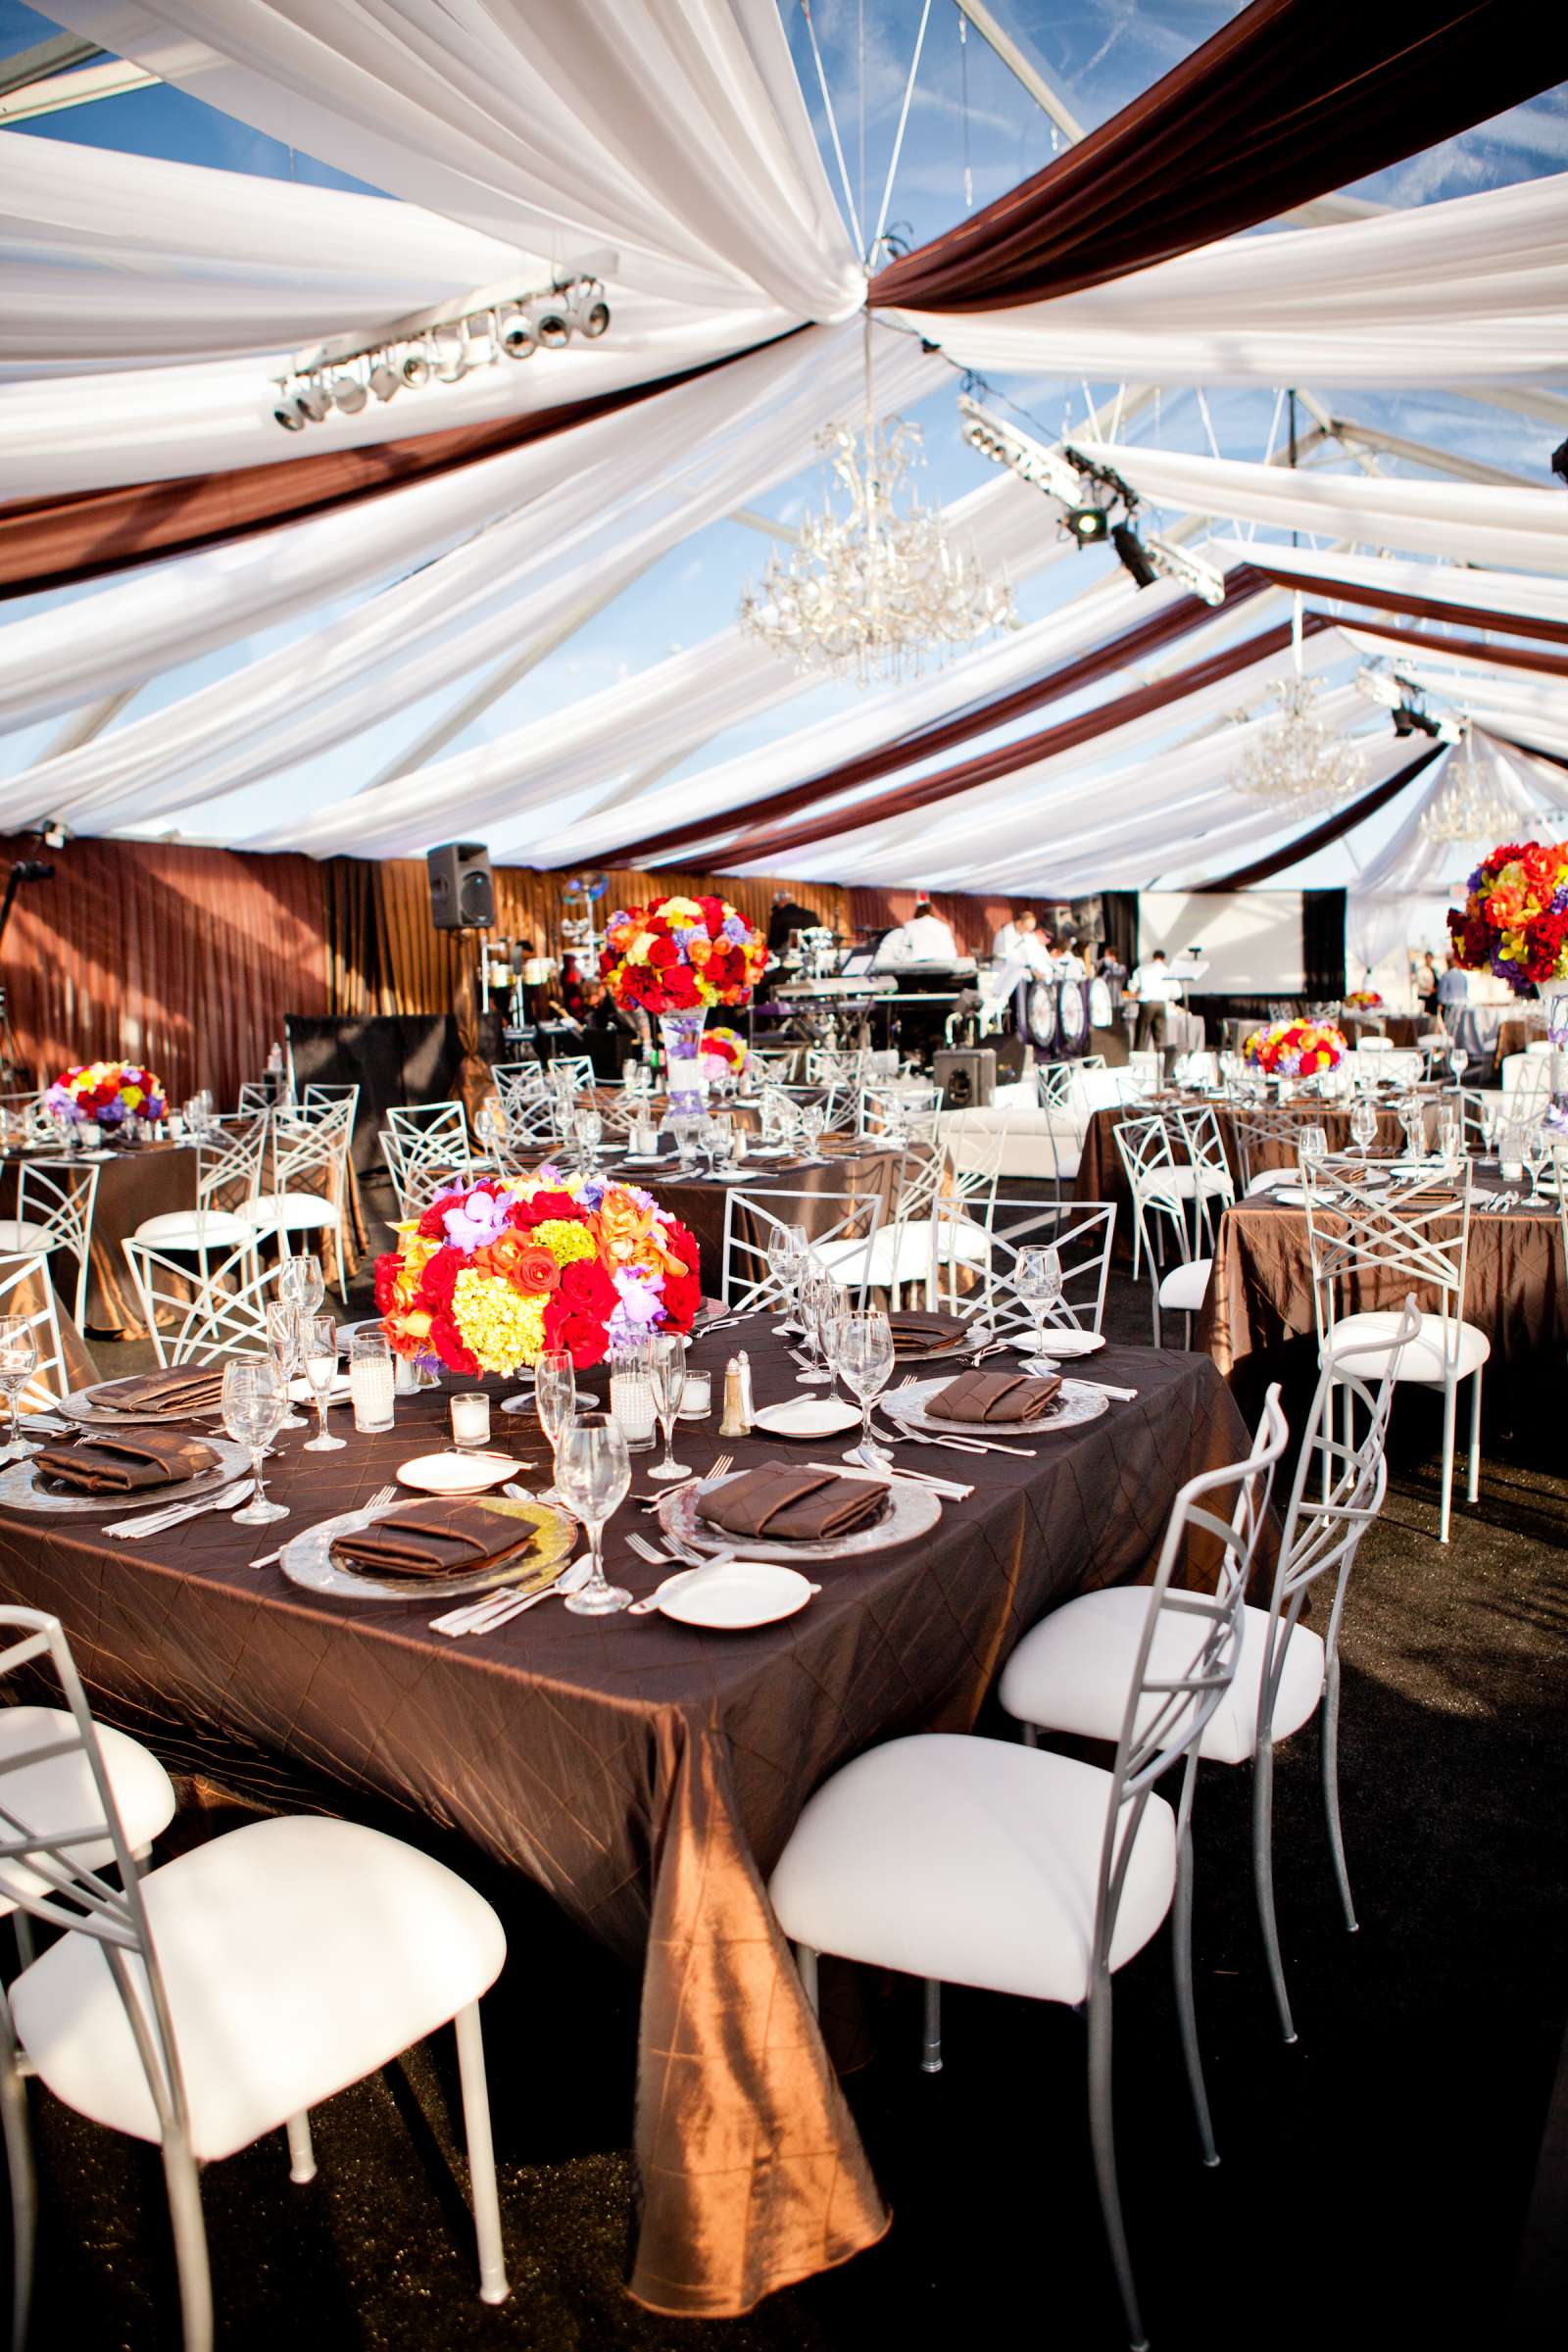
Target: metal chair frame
x,y
1083,1233
745,1289
60,1196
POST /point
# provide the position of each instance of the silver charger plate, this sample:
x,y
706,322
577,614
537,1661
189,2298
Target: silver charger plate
x,y
79,1406
20,1490
912,1510
306,1559
1076,1404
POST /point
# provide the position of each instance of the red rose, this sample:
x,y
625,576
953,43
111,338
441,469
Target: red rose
x,y
681,993
712,916
386,1274
582,1334
432,1225
663,954
586,1289
439,1278
536,1272
448,1341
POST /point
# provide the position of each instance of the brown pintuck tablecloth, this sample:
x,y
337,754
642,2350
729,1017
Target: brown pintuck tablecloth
x,y
141,1181
647,1774
1258,1320
700,1204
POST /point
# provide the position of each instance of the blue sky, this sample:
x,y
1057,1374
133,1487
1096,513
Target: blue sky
x,y
967,108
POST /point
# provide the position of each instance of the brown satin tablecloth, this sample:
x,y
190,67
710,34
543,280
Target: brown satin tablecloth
x,y
1257,1321
144,1180
646,1773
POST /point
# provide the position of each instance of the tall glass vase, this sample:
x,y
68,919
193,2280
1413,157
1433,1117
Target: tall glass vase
x,y
1558,1032
682,1035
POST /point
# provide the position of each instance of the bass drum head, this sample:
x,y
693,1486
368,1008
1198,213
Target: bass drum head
x,y
1040,1011
1074,1019
1101,1012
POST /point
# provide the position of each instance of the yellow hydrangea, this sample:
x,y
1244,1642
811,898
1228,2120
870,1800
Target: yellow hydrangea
x,y
564,1241
502,1328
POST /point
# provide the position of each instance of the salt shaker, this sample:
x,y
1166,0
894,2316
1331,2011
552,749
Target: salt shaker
x,y
737,1421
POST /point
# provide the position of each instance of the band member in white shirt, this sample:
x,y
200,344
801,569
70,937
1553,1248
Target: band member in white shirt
x,y
1019,942
1070,964
1154,988
924,939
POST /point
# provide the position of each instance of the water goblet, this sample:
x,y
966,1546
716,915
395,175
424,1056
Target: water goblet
x,y
1312,1147
818,1293
686,1133
865,1359
1037,1280
554,1398
300,1284
319,1335
283,1339
19,1357
255,1401
594,1473
1364,1123
667,1366
813,1118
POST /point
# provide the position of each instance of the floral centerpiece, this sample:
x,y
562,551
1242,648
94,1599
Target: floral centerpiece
x,y
107,1092
1364,999
725,1054
495,1272
1514,922
1296,1049
673,959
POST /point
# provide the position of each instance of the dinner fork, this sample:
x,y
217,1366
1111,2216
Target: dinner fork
x,y
720,1467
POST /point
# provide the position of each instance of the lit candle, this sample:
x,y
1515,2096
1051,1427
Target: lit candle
x,y
470,1418
697,1396
631,1405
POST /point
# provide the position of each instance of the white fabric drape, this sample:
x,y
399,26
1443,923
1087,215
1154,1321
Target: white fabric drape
x,y
1504,593
662,715
1471,291
120,261
673,129
627,488
1409,865
1462,521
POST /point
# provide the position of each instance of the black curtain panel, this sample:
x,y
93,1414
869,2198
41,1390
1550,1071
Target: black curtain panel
x,y
1118,922
1323,945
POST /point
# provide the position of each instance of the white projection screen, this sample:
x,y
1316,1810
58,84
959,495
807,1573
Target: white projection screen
x,y
1251,939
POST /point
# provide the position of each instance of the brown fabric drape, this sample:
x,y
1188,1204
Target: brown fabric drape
x,y
928,790
1331,828
1283,104
49,542
925,743
1473,648
1418,608
184,959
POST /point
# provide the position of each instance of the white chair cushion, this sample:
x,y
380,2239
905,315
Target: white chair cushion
x,y
294,1210
21,1233
1184,1287
193,1228
971,1861
1073,1672
1423,1359
1270,1180
60,1794
299,1955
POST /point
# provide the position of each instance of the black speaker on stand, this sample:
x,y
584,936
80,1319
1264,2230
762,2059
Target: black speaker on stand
x,y
462,894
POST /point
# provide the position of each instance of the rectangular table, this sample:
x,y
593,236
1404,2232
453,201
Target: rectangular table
x,y
646,1775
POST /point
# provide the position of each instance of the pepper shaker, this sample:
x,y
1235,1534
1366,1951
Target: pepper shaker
x,y
737,1421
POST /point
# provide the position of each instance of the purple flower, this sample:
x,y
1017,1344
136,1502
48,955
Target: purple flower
x,y
593,1192
62,1103
737,930
476,1221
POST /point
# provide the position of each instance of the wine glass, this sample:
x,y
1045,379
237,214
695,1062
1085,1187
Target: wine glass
x,y
590,1135
300,1284
255,1401
865,1359
18,1359
1537,1152
594,1471
813,1118
1037,1280
1312,1147
555,1397
686,1131
489,1127
668,1365
786,1254
1412,1118
284,1339
319,1351
1450,1136
1364,1123
818,1293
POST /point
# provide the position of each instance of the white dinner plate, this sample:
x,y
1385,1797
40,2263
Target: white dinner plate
x,y
737,1594
644,1159
1064,1344
1076,1404
457,1473
768,1150
809,1417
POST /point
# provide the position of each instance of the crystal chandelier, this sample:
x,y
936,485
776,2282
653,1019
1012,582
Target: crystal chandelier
x,y
1299,763
1465,808
875,589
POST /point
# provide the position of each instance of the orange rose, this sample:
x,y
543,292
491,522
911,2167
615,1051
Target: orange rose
x,y
535,1272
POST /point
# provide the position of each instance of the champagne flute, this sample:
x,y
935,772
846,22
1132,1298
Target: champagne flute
x,y
833,1312
1037,1280
817,1292
668,1365
320,1334
590,1135
865,1358
1412,1118
595,1475
555,1397
255,1401
19,1357
284,1340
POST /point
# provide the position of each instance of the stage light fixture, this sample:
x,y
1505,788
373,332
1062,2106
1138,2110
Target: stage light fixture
x,y
1133,556
348,394
1188,571
290,415
315,400
417,366
385,381
1005,445
1559,461
1089,524
590,312
518,338
551,323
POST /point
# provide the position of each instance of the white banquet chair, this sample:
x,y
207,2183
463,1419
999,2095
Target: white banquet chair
x,y
302,1150
217,1999
969,1861
229,1177
56,1203
1081,1231
1367,1239
45,1782
1161,1190
1261,1128
752,1221
195,1315
1072,1673
23,1292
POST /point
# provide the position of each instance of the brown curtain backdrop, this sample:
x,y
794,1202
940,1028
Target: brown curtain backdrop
x,y
1283,104
926,743
929,791
184,959
49,542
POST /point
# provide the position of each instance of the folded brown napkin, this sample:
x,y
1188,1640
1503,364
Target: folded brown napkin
x,y
188,1389
916,1330
994,1396
798,1506
444,1537
123,1465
